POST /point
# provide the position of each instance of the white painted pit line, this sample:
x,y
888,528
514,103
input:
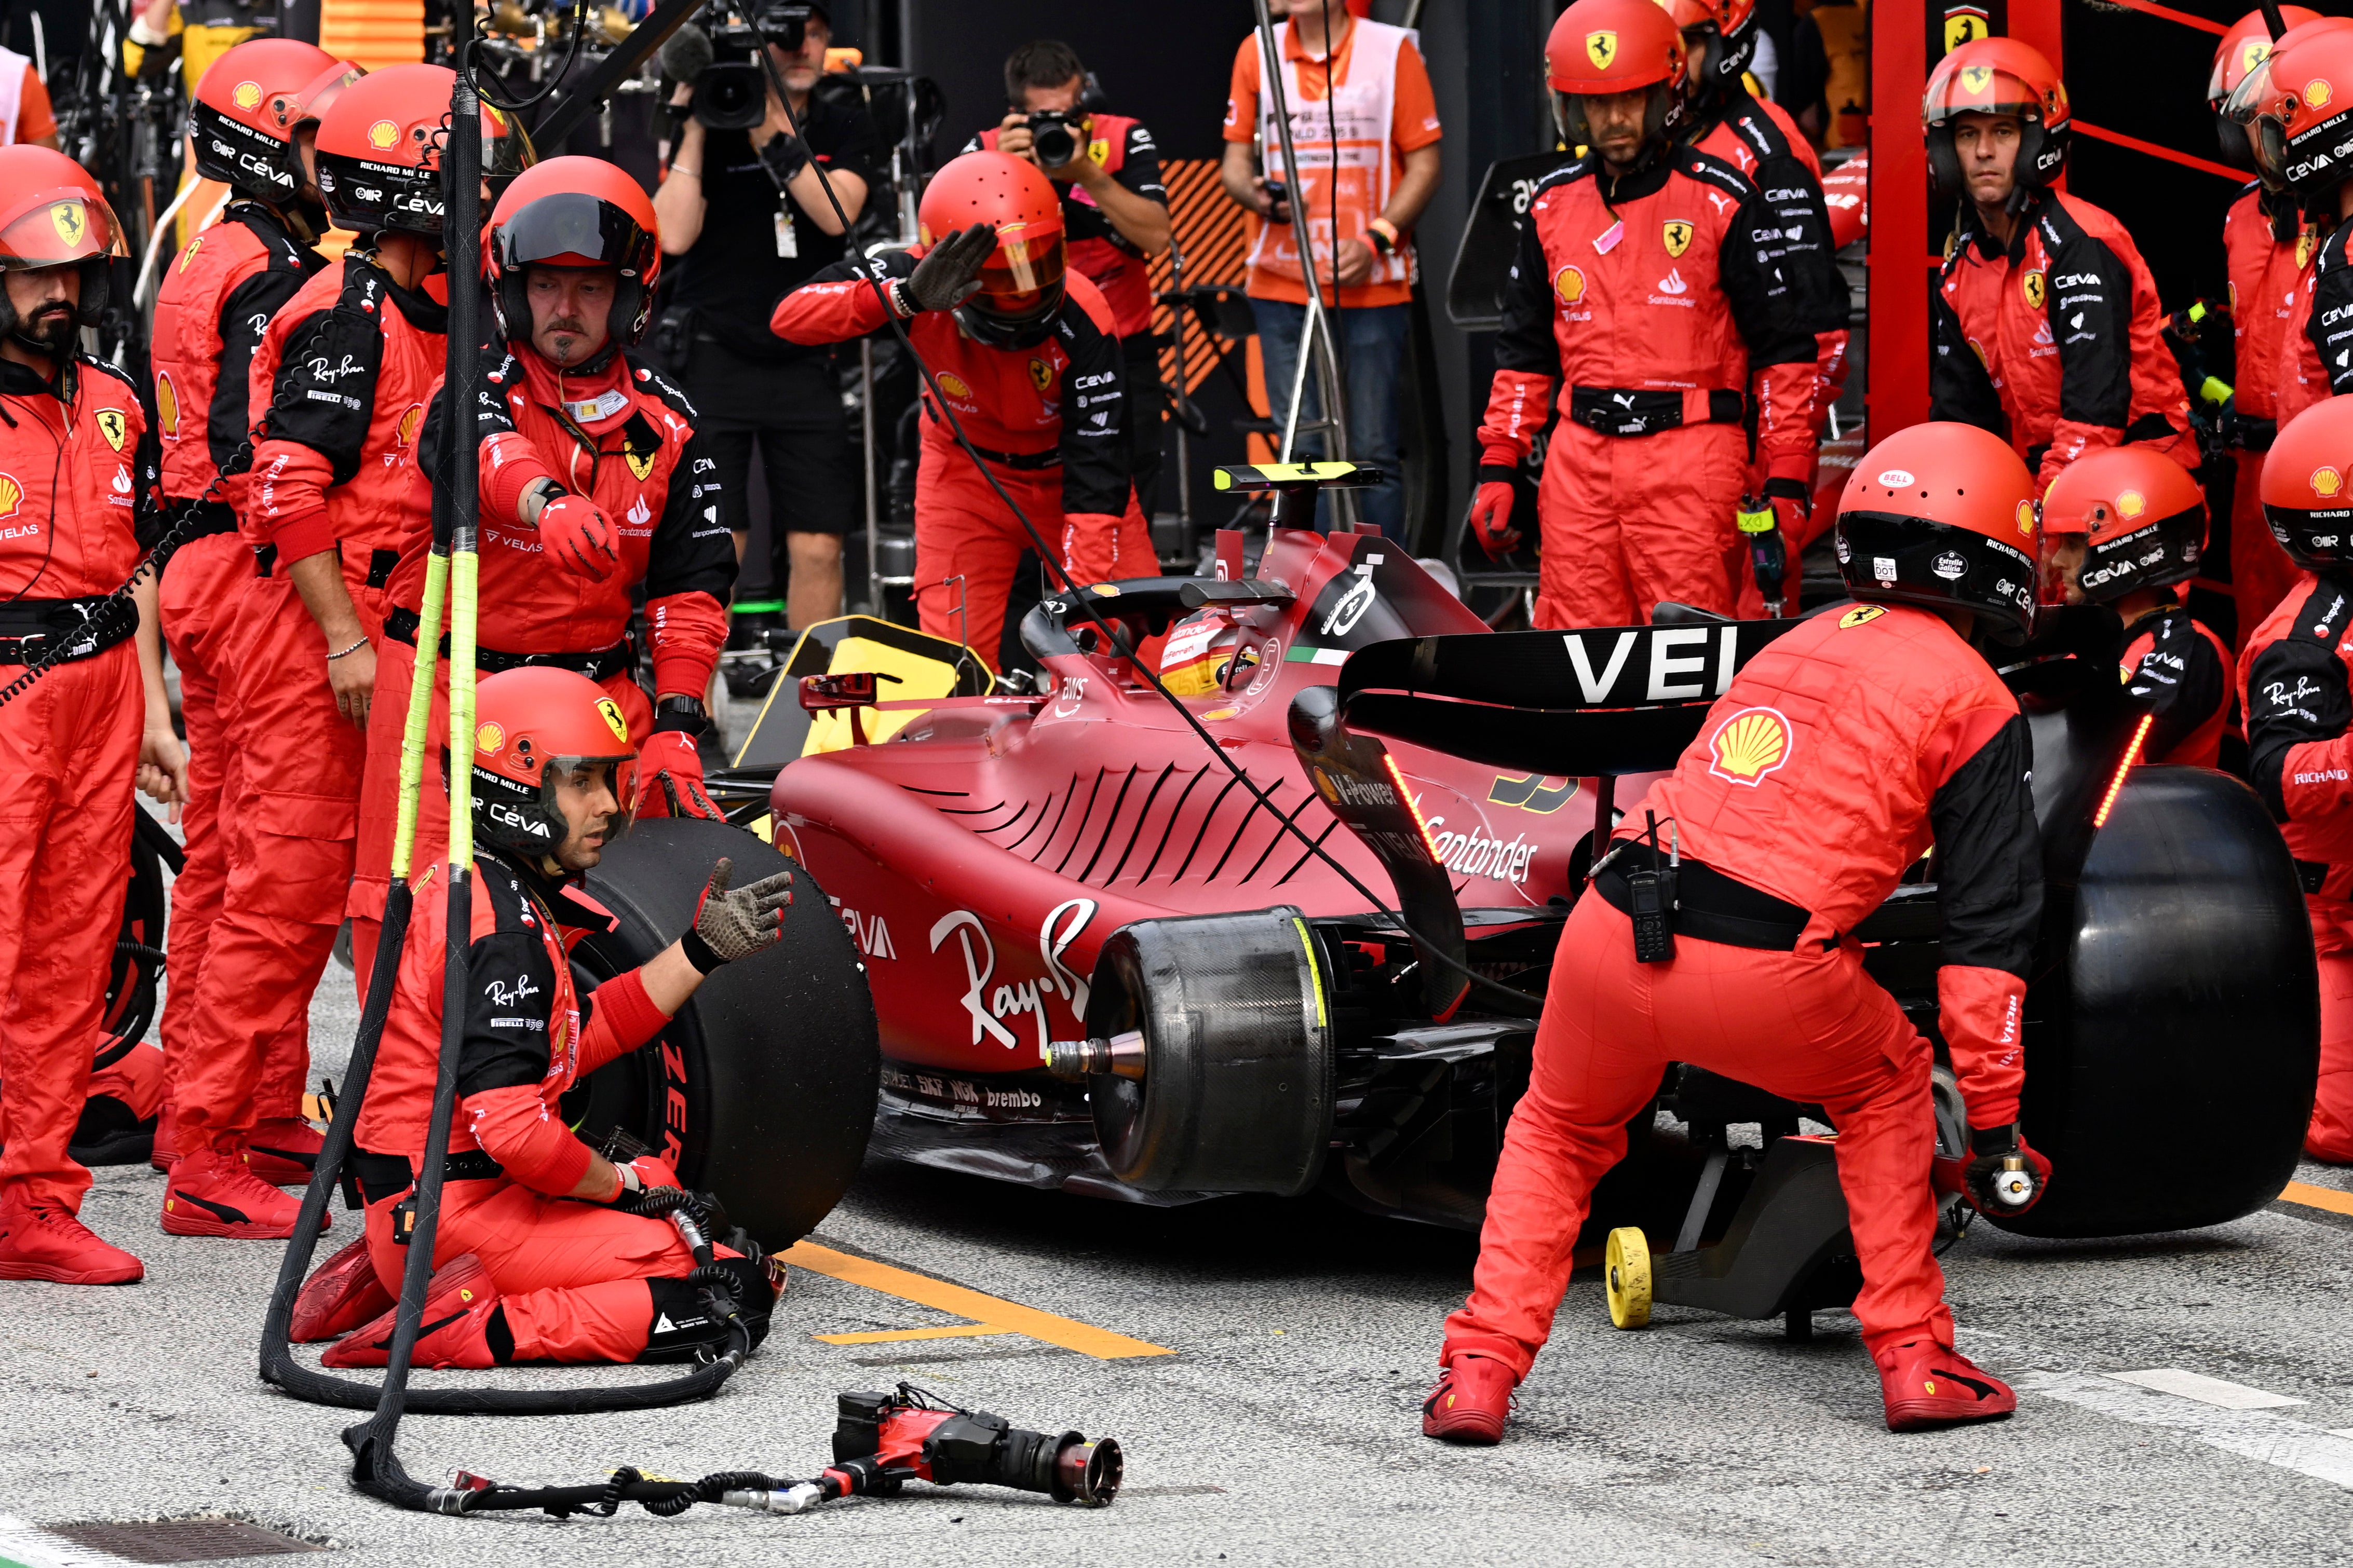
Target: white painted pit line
x,y
2205,1390
2252,1433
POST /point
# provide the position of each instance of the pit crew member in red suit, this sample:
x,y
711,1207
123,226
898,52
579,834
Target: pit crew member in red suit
x,y
2044,324
2299,705
594,485
77,475
1029,355
538,1256
254,121
1871,731
2122,527
1654,291
343,371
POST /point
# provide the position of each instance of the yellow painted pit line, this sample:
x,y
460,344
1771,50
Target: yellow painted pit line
x,y
2314,1197
892,1336
989,1314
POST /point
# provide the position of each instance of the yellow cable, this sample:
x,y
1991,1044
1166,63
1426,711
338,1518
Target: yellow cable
x,y
466,571
417,725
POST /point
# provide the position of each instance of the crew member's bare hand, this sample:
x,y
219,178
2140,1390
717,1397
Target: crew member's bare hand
x,y
162,767
352,679
1013,137
1355,262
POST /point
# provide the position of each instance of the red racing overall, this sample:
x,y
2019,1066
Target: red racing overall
x,y
626,439
2266,254
344,370
580,1283
1665,307
78,472
2294,690
2054,344
1050,422
1827,768
216,298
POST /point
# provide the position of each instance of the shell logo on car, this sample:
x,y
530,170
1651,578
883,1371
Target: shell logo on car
x,y
1750,744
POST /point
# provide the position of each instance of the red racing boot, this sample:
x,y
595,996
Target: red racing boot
x,y
1928,1385
210,1193
166,1152
340,1294
463,1325
1472,1398
283,1149
41,1241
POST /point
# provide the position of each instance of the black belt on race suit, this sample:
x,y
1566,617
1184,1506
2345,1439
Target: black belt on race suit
x,y
212,517
597,664
1029,462
1622,411
381,562
32,628
1709,905
370,1178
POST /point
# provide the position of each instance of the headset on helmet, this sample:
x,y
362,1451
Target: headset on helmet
x,y
1999,76
1942,515
2246,46
2295,112
1602,48
53,214
380,150
1719,37
2118,521
1021,283
244,114
2307,486
533,728
580,213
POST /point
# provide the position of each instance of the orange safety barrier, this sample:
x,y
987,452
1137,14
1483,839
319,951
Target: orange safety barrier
x,y
374,34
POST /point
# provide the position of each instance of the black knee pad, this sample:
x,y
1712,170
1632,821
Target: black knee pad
x,y
682,1326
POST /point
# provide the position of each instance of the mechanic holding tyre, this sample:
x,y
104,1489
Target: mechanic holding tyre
x,y
545,1250
1657,282
1837,756
595,484
254,124
1028,355
2299,705
343,371
77,477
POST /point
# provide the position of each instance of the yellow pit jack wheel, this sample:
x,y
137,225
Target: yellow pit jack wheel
x,y
1628,1266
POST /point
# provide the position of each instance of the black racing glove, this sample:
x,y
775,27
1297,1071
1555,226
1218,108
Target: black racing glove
x,y
733,924
2005,1175
949,274
784,156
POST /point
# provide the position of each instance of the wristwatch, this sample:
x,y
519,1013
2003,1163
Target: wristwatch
x,y
684,713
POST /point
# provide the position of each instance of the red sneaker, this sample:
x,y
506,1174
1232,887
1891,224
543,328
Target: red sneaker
x,y
166,1152
1927,1385
340,1294
211,1193
1470,1402
283,1149
41,1241
460,1306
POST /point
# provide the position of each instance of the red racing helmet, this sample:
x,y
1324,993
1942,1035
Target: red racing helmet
x,y
576,212
243,115
1999,76
2247,45
534,728
1021,283
2307,486
2292,108
1719,39
1602,48
52,214
2140,517
380,150
1941,515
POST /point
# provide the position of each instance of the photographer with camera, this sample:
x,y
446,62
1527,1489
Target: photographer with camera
x,y
1106,169
742,209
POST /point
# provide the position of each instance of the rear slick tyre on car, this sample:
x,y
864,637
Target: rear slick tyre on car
x,y
763,1089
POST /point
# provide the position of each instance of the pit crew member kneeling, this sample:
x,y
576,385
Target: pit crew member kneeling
x,y
1836,757
1029,355
2299,705
545,1250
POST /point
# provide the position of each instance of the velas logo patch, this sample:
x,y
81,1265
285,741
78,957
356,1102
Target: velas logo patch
x,y
247,95
2131,503
383,135
2326,481
1568,285
1748,745
1601,47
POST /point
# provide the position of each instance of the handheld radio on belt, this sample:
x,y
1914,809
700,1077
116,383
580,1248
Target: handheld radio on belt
x,y
1651,887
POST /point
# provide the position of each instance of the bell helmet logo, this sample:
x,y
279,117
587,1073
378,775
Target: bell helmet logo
x,y
2131,503
1949,566
383,135
1897,478
1568,285
247,95
1750,744
1601,48
2326,481
613,721
2317,92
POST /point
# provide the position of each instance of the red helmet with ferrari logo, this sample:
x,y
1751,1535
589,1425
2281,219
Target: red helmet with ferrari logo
x,y
578,214
1599,48
2293,108
1719,38
533,729
54,215
1942,515
1021,282
2001,77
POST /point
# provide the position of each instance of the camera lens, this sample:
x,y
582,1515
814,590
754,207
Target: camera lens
x,y
1053,143
731,95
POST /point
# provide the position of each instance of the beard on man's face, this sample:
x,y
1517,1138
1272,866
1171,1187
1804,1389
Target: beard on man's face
x,y
49,325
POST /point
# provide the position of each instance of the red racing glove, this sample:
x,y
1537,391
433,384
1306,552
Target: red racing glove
x,y
579,537
670,778
1491,514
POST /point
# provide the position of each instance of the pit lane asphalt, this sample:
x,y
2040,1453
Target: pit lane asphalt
x,y
1284,1428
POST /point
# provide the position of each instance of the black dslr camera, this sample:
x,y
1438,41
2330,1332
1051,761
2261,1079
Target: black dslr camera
x,y
1056,136
730,90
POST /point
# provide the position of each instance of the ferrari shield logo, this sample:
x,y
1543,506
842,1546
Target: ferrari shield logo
x,y
1975,79
1964,25
1601,47
2253,53
112,424
69,220
613,720
639,465
1041,375
2032,286
2305,244
1678,235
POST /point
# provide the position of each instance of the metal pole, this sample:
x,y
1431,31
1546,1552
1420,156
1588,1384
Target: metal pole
x,y
1180,399
866,443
